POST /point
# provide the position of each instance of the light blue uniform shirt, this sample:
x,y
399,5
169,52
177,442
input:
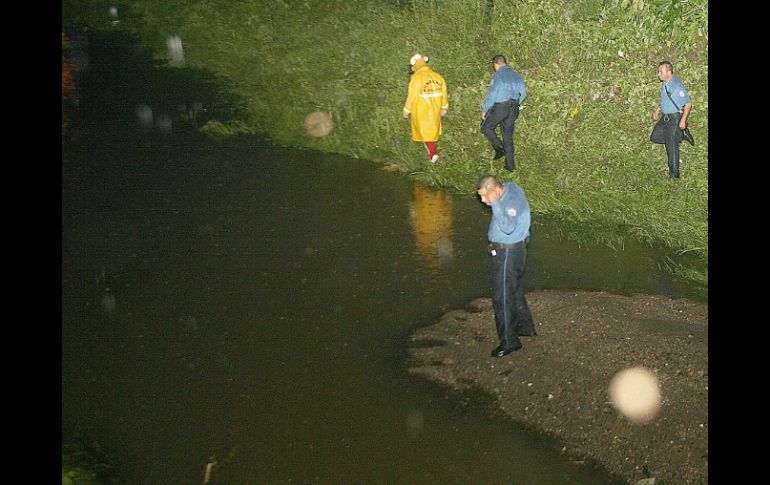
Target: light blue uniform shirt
x,y
677,91
506,84
510,216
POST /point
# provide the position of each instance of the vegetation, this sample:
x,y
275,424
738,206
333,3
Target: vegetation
x,y
84,462
582,140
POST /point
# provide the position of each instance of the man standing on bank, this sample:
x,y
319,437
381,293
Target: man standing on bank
x,y
675,104
426,102
508,236
501,107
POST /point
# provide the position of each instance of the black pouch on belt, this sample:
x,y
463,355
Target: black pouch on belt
x,y
686,135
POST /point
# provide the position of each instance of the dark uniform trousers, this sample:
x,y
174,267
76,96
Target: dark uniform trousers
x,y
505,115
512,315
666,132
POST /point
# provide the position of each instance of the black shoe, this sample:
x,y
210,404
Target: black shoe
x,y
528,334
499,154
500,351
686,135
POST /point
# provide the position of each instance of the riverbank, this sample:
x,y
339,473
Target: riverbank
x,y
582,140
558,382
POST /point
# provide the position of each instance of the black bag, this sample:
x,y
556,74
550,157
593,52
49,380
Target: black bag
x,y
686,135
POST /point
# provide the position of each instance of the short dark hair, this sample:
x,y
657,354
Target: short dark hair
x,y
668,65
487,182
499,59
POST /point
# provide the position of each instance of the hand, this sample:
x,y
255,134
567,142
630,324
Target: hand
x,y
483,115
682,124
443,113
656,114
406,116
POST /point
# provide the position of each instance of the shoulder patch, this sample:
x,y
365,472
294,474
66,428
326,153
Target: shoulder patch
x,y
511,212
681,94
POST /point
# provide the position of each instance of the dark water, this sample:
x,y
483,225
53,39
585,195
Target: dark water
x,y
250,304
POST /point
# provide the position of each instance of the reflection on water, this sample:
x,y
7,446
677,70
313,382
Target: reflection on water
x,y
430,214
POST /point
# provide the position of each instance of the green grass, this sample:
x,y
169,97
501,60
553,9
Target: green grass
x,y
84,462
582,140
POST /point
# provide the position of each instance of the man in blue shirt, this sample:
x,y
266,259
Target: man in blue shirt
x,y
501,107
508,236
675,105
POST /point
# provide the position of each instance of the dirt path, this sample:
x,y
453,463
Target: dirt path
x,y
559,381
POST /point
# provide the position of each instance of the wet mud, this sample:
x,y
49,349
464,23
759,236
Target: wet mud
x,y
558,383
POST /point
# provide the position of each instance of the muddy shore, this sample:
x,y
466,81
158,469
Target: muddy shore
x,y
558,383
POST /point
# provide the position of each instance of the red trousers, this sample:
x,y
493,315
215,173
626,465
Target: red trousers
x,y
430,146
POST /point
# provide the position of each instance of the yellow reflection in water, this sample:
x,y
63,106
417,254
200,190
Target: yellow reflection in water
x,y
431,218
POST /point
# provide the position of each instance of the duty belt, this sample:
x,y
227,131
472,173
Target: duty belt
x,y
520,244
667,115
510,102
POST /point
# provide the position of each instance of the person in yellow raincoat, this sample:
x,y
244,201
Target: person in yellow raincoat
x,y
426,102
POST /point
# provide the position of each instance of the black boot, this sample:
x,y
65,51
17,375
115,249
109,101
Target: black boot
x,y
502,350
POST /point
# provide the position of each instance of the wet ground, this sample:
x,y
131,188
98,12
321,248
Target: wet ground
x,y
558,383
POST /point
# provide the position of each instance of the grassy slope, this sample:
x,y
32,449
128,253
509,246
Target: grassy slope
x,y
583,153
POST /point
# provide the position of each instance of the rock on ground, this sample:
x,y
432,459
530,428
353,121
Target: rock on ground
x,y
559,381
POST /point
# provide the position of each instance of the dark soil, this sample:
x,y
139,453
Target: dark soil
x,y
558,382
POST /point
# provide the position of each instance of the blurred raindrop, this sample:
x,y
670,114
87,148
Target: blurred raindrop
x,y
191,324
113,11
635,392
175,51
318,123
445,251
108,304
144,116
164,124
414,423
190,113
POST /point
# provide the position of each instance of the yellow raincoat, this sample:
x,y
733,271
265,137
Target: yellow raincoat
x,y
426,98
